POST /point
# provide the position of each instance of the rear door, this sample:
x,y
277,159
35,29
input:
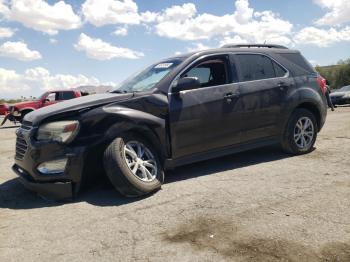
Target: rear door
x,y
264,85
206,118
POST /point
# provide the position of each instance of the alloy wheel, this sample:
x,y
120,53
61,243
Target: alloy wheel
x,y
304,132
140,161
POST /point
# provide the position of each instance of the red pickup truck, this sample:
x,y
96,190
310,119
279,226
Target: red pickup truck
x,y
4,108
16,112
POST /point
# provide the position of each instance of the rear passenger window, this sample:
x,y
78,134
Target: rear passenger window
x,y
279,71
66,95
257,67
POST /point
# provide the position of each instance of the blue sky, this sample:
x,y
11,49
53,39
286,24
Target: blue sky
x,y
51,44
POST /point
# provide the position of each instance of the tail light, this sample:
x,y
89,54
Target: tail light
x,y
322,83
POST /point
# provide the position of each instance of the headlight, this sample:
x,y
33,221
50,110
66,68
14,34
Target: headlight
x,y
346,96
61,131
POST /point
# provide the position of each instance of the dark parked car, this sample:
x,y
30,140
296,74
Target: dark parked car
x,y
181,110
341,96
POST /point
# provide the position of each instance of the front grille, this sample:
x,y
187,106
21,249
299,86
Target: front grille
x,y
21,147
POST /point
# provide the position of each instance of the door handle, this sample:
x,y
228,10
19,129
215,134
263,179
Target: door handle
x,y
230,96
282,86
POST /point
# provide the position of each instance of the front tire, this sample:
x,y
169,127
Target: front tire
x,y
132,165
300,133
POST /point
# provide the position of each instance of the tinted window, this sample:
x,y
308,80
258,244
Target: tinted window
x,y
66,95
234,72
210,72
279,71
256,67
202,73
302,66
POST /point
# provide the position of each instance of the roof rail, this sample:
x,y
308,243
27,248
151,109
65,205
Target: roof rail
x,y
253,45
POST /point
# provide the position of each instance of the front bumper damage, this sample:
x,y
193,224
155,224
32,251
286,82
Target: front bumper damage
x,y
31,153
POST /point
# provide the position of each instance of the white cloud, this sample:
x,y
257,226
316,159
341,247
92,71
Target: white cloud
x,y
6,32
106,12
243,13
41,16
339,12
37,80
3,8
232,40
121,31
184,23
18,50
322,37
148,17
198,47
97,49
53,41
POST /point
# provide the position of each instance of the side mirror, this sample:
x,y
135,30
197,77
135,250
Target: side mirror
x,y
186,83
46,100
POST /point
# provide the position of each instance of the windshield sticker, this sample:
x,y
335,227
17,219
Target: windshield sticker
x,y
163,65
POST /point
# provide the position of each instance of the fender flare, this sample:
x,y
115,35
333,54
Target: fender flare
x,y
151,127
302,96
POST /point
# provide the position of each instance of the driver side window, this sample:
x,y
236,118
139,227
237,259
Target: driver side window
x,y
213,72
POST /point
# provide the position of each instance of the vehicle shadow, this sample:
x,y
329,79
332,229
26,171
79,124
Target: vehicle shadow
x,y
13,195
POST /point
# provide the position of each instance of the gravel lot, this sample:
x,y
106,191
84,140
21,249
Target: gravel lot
x,y
262,205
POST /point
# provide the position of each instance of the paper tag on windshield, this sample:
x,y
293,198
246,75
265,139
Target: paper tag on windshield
x,y
163,65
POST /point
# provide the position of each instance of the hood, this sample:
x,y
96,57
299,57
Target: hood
x,y
24,103
74,105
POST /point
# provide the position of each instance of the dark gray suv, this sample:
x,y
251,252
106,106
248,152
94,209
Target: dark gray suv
x,y
181,110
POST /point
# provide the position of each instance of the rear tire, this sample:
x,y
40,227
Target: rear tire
x,y
132,165
300,133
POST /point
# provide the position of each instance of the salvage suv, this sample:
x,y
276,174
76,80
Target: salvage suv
x,y
181,110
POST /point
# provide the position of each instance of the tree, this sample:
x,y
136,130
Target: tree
x,y
338,75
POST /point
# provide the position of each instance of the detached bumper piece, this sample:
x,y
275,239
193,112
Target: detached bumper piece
x,y
59,190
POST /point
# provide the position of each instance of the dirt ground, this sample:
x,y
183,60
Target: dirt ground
x,y
261,205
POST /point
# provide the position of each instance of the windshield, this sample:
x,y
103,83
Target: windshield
x,y
344,89
148,78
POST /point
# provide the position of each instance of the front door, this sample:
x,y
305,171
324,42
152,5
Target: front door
x,y
206,118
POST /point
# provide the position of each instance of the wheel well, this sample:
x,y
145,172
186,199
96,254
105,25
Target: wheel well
x,y
151,138
313,109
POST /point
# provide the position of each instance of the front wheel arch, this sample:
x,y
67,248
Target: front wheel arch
x,y
152,135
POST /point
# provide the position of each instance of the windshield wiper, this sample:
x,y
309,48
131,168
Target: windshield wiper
x,y
120,91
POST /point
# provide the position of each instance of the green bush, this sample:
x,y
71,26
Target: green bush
x,y
338,75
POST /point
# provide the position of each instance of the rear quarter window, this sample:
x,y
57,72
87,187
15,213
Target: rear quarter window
x,y
300,65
